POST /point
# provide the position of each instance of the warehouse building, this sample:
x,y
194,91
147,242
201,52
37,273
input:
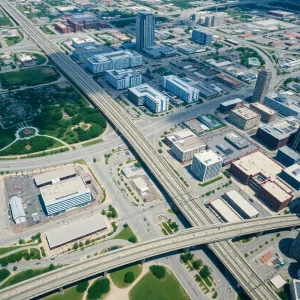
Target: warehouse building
x,y
236,140
280,13
225,211
240,205
185,149
76,230
274,196
206,165
244,118
287,156
227,106
17,210
228,81
291,176
54,176
267,114
65,195
278,133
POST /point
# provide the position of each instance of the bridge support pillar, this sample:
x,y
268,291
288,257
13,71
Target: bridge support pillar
x,y
186,250
105,274
259,234
61,290
293,228
143,261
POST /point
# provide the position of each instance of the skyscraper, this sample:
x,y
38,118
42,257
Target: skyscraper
x,y
295,248
262,85
145,25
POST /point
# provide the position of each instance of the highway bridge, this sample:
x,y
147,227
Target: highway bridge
x,y
184,239
228,254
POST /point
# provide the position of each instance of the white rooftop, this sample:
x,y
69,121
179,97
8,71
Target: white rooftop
x,y
180,83
293,171
208,157
48,176
278,282
226,212
180,135
82,40
140,183
276,190
189,143
75,230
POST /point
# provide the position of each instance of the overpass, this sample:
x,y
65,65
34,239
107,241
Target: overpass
x,y
184,239
228,254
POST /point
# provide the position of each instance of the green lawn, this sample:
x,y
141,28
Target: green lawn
x,y
5,250
69,294
151,288
118,276
92,143
125,234
4,20
29,77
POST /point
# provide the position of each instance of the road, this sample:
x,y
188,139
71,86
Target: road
x,y
141,251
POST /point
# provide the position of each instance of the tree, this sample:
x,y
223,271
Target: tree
x,y
205,272
4,273
197,264
158,271
98,288
80,244
94,159
82,286
132,239
51,267
75,246
129,277
15,268
125,225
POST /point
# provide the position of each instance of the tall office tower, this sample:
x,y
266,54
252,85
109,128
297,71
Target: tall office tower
x,y
296,142
202,38
262,85
295,248
145,25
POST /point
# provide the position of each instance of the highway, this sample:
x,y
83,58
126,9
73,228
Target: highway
x,y
151,248
164,173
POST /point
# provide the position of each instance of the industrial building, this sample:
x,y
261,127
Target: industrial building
x,y
287,156
291,175
185,149
145,30
244,118
141,185
206,91
65,195
114,61
280,13
274,195
179,135
278,133
76,230
51,177
236,140
228,81
158,51
283,104
225,211
295,289
83,42
266,114
227,106
180,88
149,97
90,51
240,205
262,85
123,79
17,210
203,38
206,165
295,248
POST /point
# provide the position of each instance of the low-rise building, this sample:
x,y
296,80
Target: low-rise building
x,y
267,114
26,60
244,118
228,81
225,211
287,156
17,210
279,133
83,42
291,175
148,96
237,141
123,79
240,204
206,165
90,51
227,106
62,28
141,185
116,60
179,135
180,88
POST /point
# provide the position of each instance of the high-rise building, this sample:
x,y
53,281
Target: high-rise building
x,y
203,38
262,85
296,142
295,248
206,165
145,26
207,21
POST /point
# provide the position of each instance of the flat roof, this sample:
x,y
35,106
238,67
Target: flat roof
x,y
123,73
257,162
226,212
245,113
48,176
179,83
75,230
189,143
242,203
278,282
16,207
233,101
290,152
63,189
296,288
263,108
179,135
140,183
276,190
82,40
293,171
145,89
208,157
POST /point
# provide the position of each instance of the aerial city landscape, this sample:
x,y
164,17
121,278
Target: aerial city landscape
x,y
149,149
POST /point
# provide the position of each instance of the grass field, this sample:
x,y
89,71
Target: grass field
x,y
92,143
118,276
125,234
4,20
69,294
151,288
5,250
29,77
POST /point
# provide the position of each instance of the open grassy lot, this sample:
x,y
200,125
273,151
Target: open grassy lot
x,y
69,294
4,20
118,275
29,77
152,288
125,234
